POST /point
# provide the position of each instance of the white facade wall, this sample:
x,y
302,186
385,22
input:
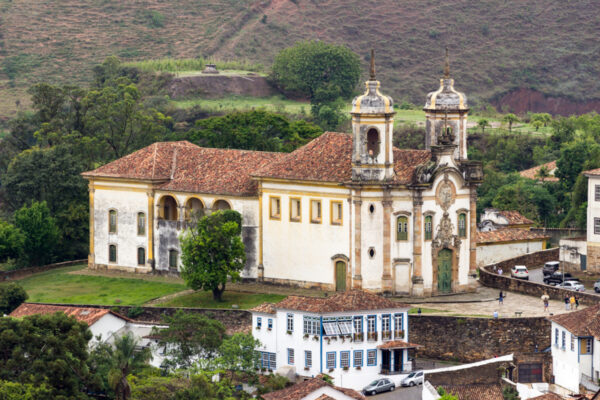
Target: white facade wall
x,y
493,253
593,209
279,341
565,362
105,327
570,251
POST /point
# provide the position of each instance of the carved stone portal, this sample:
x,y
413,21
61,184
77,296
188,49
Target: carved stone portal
x,y
445,239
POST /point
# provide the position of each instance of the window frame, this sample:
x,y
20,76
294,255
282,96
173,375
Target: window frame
x,y
401,235
273,216
307,359
556,337
572,342
138,255
596,192
270,323
143,231
314,220
564,340
258,322
174,251
111,230
374,352
462,231
332,205
360,320
112,245
369,319
596,226
396,316
428,223
290,356
327,355
355,363
387,317
345,354
289,322
293,201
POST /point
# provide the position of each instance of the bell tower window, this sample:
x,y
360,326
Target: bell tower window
x,y
373,142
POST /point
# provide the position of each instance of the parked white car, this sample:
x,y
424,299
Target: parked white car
x,y
414,378
572,285
520,272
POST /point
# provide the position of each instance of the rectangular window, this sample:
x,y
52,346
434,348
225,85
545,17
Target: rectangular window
x,y
290,353
585,346
345,326
307,358
295,210
258,322
462,225
141,253
572,342
371,357
112,253
268,360
596,226
172,259
402,228
315,211
336,212
398,326
386,329
331,328
274,207
428,227
273,361
358,324
597,192
556,337
358,358
330,360
311,325
564,340
371,327
141,224
290,322
345,359
270,324
112,221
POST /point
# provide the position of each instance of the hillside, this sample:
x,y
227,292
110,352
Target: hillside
x,y
496,46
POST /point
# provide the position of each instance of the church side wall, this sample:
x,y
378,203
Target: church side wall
x,y
301,252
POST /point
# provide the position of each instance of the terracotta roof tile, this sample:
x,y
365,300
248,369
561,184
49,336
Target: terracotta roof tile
x,y
547,396
398,344
475,391
328,158
350,300
303,389
584,322
531,173
84,314
324,397
515,218
183,166
266,308
592,172
509,235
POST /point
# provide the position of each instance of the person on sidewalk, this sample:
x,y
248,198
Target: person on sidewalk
x,y
567,302
546,301
501,298
576,302
572,301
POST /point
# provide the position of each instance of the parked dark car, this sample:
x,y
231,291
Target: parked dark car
x,y
550,267
379,386
558,277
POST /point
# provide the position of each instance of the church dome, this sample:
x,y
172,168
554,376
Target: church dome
x,y
446,98
372,101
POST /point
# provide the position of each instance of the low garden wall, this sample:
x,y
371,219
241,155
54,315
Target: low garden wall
x,y
488,277
23,272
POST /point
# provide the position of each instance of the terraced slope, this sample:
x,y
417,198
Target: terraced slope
x,y
496,46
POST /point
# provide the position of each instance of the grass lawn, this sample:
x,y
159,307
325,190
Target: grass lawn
x,y
245,103
204,300
58,286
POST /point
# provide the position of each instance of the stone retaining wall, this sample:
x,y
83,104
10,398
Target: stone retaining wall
x,y
476,339
23,272
481,374
488,277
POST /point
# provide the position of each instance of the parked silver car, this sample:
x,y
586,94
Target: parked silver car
x,y
414,378
379,386
572,285
597,286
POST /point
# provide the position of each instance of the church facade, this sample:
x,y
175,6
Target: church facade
x,y
344,211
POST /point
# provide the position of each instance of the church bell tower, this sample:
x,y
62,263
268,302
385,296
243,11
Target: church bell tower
x,y
372,128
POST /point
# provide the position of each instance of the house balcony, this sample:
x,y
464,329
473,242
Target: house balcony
x,y
372,336
358,337
386,335
399,334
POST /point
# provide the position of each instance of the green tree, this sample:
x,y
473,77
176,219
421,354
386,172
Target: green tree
x,y
41,233
532,200
510,393
238,353
445,395
49,350
328,115
563,131
543,173
190,336
483,123
510,119
126,360
12,296
573,157
24,391
212,251
537,125
320,71
543,118
12,241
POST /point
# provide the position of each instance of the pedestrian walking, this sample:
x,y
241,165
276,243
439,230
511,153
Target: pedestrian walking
x,y
546,301
500,298
572,302
567,302
576,302
500,271
495,314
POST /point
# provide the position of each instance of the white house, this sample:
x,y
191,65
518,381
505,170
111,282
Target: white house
x,y
575,348
314,389
493,219
500,244
354,336
344,211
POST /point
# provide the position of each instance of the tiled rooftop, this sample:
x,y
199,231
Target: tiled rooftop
x,y
398,344
509,235
531,173
83,314
584,322
547,396
266,308
475,391
516,218
303,389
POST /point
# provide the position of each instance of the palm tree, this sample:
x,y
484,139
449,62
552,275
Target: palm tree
x,y
542,173
126,359
483,123
510,119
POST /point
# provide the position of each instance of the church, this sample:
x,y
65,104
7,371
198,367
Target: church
x,y
345,211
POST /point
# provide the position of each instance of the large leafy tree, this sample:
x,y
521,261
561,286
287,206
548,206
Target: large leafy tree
x,y
46,350
190,336
212,251
24,391
12,241
238,353
12,296
40,231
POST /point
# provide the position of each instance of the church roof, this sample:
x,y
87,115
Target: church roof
x,y
183,166
328,158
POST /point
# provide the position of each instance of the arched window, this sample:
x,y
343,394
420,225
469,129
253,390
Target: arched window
x,y
168,208
194,208
173,259
221,205
112,221
373,142
428,227
141,223
402,228
141,255
462,225
112,253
